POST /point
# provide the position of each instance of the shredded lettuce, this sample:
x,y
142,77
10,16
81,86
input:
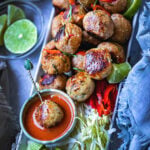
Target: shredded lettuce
x,y
91,131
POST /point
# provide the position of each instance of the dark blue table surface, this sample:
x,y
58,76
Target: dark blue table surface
x,y
19,82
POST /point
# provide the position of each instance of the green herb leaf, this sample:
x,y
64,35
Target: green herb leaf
x,y
77,69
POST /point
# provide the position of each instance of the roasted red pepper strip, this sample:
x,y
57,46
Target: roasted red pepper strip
x,y
97,7
103,100
52,51
70,35
72,2
81,53
61,13
109,1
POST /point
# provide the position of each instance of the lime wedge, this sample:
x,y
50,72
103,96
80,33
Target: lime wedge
x,y
119,72
35,146
133,6
21,36
3,26
14,14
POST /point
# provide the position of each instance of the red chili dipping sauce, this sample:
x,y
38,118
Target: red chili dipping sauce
x,y
52,133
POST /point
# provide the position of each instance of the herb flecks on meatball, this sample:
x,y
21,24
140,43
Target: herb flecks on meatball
x,y
80,87
55,62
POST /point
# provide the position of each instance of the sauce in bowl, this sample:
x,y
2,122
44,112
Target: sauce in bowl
x,y
52,133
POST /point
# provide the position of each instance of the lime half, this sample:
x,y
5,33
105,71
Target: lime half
x,y
21,36
3,26
14,14
119,72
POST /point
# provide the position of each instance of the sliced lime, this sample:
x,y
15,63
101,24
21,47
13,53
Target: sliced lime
x,y
133,6
119,72
21,36
3,26
14,14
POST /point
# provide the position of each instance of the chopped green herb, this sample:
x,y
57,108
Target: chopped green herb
x,y
56,70
77,69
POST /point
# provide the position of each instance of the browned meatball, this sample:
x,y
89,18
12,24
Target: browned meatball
x,y
78,60
98,63
57,23
80,87
116,51
123,29
50,45
99,23
48,81
90,39
116,6
48,114
63,4
86,3
77,16
55,62
69,38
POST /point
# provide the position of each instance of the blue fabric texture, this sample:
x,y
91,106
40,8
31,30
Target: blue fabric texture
x,y
133,115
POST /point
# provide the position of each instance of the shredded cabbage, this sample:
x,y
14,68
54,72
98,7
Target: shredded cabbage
x,y
91,131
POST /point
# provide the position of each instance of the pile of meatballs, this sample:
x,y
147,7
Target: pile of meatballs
x,y
87,40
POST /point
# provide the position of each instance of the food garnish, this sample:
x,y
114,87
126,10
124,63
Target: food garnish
x,y
133,6
98,7
14,13
91,131
3,26
104,98
119,72
77,69
35,146
21,36
109,1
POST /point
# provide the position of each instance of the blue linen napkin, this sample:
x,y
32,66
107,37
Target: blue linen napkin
x,y
133,115
8,124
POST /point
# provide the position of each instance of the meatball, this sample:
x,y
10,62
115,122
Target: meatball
x,y
77,16
116,51
63,4
50,45
90,39
116,6
57,23
86,3
98,63
55,62
48,81
80,87
99,23
69,38
123,29
48,114
78,60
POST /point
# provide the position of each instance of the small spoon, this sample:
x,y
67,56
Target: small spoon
x,y
29,66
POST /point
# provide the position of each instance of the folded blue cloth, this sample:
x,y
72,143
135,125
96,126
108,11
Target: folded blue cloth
x,y
133,115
